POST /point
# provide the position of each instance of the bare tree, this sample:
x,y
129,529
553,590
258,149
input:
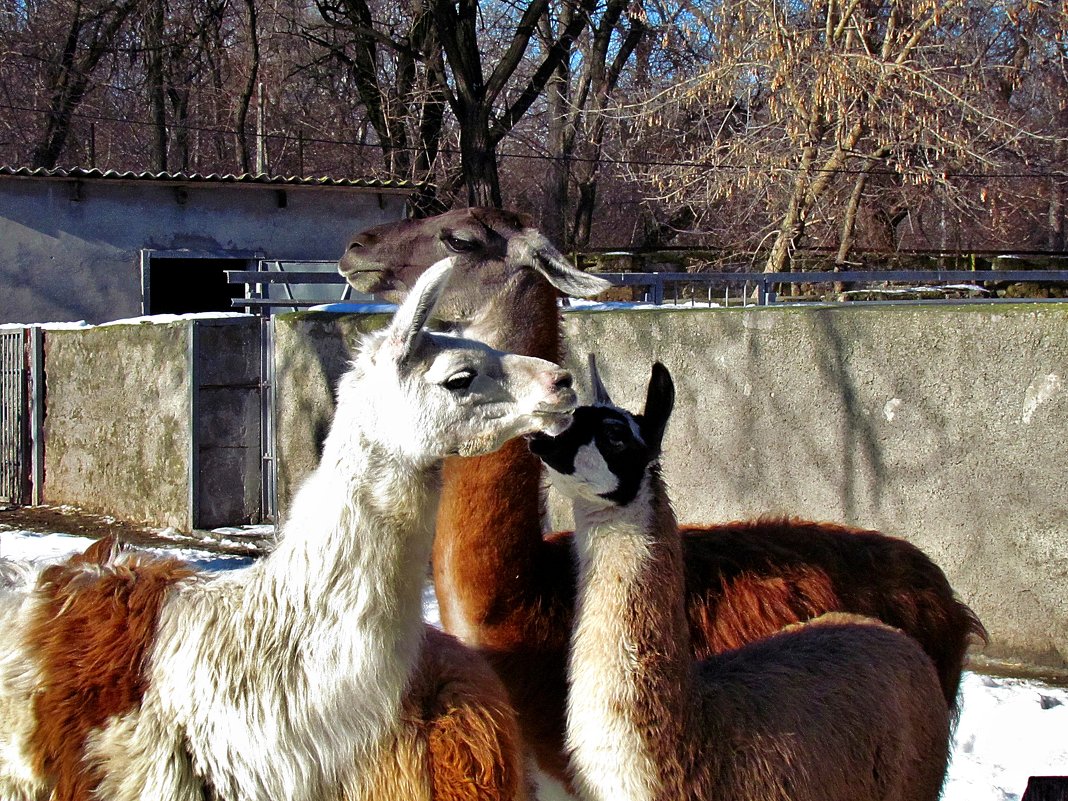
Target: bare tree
x,y
90,30
800,105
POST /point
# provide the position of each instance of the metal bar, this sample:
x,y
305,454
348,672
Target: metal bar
x,y
269,465
12,416
37,415
269,302
193,354
278,277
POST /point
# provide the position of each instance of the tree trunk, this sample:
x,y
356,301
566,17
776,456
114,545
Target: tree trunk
x,y
69,77
554,210
478,160
852,209
245,100
154,72
1056,239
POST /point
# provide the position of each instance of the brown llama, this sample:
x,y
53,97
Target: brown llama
x,y
840,708
509,591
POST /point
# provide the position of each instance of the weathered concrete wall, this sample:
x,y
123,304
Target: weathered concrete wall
x,y
67,255
312,350
943,425
122,419
116,431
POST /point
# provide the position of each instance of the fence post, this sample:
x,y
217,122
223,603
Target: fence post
x,y
658,289
37,414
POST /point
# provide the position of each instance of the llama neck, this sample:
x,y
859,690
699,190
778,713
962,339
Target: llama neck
x,y
333,617
355,549
630,668
489,525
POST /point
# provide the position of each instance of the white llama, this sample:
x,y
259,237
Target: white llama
x,y
310,674
842,708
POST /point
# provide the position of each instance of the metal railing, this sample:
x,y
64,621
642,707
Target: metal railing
x,y
763,287
267,291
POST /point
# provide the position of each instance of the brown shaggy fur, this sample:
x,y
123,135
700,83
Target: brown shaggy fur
x,y
776,571
90,635
462,708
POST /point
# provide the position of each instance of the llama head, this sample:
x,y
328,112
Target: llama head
x,y
606,453
491,249
427,395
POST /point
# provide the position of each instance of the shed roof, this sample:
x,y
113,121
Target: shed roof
x,y
188,178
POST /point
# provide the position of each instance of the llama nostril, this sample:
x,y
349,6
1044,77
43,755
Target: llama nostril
x,y
563,381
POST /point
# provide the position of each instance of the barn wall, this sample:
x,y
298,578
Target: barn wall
x,y
71,251
943,425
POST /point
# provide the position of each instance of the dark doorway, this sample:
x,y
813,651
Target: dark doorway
x,y
189,285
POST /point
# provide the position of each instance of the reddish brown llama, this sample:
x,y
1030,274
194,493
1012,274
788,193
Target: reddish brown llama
x,y
509,591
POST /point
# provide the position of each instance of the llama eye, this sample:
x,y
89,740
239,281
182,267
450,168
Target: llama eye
x,y
458,245
459,381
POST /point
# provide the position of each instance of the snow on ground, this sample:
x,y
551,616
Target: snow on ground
x,y
30,546
1009,729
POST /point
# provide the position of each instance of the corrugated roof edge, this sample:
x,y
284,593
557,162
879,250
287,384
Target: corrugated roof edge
x,y
93,173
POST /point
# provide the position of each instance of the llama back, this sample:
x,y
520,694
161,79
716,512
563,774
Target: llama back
x,y
828,695
777,571
19,677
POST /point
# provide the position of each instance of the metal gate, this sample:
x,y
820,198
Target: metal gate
x,y
13,417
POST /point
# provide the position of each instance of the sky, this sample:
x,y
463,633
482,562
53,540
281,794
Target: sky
x,y
1009,729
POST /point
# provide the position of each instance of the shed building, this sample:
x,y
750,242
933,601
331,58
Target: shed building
x,y
81,244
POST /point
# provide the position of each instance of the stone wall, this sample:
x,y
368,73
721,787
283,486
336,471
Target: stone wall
x,y
116,428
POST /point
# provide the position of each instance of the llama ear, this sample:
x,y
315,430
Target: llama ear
x,y
600,393
659,401
530,247
406,329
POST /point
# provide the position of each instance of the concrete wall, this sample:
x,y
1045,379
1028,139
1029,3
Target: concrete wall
x,y
70,253
943,425
117,434
312,350
132,429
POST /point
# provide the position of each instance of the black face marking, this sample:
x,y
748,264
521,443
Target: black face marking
x,y
614,433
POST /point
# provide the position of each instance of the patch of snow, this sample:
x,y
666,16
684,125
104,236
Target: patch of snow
x,y
30,546
1009,730
148,319
577,304
57,326
350,307
25,546
162,319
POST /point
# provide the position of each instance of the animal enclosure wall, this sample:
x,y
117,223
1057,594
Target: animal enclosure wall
x,y
942,425
155,423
